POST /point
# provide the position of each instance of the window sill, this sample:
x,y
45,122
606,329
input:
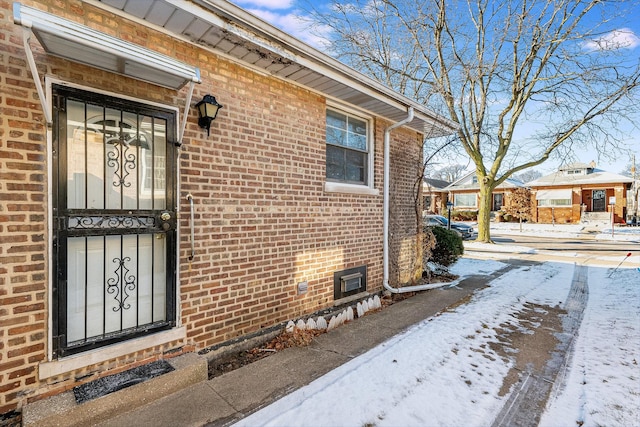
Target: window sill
x,y
338,187
78,361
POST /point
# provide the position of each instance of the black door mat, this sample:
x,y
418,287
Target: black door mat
x,y
103,386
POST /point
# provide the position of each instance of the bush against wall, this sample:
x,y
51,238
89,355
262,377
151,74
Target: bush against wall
x,y
448,246
464,215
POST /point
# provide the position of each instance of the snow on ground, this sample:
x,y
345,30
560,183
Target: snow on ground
x,y
602,387
442,371
562,231
568,231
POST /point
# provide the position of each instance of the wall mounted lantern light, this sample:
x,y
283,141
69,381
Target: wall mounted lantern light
x,y
207,111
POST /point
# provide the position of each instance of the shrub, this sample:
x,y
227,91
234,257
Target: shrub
x,y
464,215
448,246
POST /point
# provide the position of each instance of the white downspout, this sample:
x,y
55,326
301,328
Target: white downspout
x,y
385,228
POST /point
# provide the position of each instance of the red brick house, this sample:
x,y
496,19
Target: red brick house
x,y
129,233
580,192
434,196
465,193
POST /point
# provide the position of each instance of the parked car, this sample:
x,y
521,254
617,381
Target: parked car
x,y
465,231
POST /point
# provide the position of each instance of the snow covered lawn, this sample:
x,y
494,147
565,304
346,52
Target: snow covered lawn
x,y
444,371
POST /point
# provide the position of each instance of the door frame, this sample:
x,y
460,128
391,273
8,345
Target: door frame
x,y
117,348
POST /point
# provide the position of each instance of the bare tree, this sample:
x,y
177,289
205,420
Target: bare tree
x,y
631,170
525,80
450,173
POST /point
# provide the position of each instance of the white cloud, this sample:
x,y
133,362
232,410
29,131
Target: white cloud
x,y
292,24
624,38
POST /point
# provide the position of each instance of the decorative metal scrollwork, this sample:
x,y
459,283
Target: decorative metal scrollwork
x,y
122,284
121,145
97,222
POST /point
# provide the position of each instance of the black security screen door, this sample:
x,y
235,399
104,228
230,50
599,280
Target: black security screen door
x,y
599,202
114,220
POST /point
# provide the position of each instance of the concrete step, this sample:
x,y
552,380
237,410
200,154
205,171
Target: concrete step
x,y
62,409
595,217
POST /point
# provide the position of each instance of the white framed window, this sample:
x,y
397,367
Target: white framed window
x,y
349,152
554,202
467,200
553,198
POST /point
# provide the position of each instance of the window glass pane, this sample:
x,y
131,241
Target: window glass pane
x,y
357,141
355,166
336,120
335,163
76,155
357,126
554,202
346,131
96,161
347,148
336,136
130,154
468,200
159,163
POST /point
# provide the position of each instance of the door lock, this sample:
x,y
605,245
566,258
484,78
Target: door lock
x,y
165,216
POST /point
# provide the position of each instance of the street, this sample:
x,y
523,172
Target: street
x,y
586,246
582,249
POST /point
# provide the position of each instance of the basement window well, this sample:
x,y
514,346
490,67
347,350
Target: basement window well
x,y
349,282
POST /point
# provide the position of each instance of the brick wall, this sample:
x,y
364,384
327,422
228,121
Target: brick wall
x,y
263,222
405,219
23,197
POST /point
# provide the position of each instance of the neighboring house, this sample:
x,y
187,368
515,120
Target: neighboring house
x,y
434,195
129,233
579,192
465,193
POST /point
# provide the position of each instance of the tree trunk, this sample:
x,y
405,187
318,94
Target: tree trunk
x,y
484,214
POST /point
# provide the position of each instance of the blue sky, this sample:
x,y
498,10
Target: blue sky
x,y
282,14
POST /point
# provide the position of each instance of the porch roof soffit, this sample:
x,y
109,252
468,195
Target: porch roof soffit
x,y
236,33
70,40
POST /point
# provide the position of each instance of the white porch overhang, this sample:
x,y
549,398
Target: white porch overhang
x,y
559,194
70,40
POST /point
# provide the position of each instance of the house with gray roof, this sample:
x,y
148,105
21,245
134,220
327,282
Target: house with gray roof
x,y
465,193
434,195
580,192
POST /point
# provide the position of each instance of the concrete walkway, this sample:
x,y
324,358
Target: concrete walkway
x,y
527,401
228,398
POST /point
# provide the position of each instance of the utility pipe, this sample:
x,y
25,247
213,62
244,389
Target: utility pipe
x,y
385,228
